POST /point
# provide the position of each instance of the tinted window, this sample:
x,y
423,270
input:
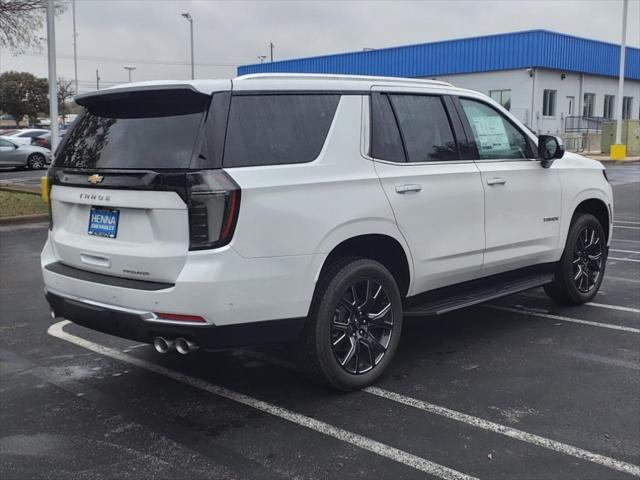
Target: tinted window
x,y
4,143
495,136
425,128
386,143
277,129
135,130
32,134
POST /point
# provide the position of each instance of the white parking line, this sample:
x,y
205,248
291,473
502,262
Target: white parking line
x,y
626,221
400,456
479,422
624,259
623,251
626,226
525,311
613,307
509,432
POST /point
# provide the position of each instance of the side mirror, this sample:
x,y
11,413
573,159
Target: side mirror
x,y
549,148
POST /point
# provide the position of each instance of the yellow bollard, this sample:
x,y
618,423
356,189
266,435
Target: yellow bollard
x,y
44,189
618,152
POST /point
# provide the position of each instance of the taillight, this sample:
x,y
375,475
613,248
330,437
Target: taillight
x,y
214,203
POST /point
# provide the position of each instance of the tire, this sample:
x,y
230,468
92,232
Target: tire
x,y
36,161
580,271
348,340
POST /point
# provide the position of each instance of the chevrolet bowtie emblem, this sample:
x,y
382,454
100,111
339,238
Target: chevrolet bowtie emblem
x,y
95,178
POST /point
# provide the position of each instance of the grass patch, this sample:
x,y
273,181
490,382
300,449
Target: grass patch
x,y
14,204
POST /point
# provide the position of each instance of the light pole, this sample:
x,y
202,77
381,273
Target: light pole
x,y
129,69
75,51
53,93
190,20
262,58
619,151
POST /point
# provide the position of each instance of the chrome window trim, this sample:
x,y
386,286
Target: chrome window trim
x,y
434,162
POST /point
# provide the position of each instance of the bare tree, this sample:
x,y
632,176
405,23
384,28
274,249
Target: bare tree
x,y
21,21
65,95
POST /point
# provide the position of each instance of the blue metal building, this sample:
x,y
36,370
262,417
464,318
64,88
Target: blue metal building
x,y
550,80
507,51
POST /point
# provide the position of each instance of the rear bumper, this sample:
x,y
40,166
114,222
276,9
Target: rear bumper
x,y
137,325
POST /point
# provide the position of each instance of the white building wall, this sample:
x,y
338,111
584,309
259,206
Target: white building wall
x,y
521,83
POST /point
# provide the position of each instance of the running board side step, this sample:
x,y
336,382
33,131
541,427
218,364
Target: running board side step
x,y
445,303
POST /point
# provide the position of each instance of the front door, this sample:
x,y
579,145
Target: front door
x,y
436,196
522,199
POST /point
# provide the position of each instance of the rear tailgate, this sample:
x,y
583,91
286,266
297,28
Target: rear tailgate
x,y
119,182
150,243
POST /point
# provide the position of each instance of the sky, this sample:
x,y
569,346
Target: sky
x,y
152,36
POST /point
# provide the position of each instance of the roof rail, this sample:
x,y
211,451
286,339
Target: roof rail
x,y
337,76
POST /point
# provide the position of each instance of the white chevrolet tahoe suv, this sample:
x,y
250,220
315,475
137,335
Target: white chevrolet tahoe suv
x,y
317,210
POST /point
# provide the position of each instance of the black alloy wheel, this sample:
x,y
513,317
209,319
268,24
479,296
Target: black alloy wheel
x,y
362,326
354,324
587,260
579,273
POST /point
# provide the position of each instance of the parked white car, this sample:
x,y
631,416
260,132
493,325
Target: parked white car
x,y
24,136
318,210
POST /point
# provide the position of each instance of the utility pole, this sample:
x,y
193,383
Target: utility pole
x,y
190,20
97,80
53,92
271,45
619,151
75,50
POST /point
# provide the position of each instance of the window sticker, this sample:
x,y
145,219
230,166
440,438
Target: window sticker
x,y
491,134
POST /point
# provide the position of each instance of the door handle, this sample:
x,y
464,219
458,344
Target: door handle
x,y
496,181
410,188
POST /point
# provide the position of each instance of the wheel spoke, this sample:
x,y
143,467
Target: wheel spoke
x,y
373,341
339,339
375,295
579,274
374,317
350,353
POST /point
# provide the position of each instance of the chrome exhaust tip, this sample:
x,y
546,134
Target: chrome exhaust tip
x,y
184,346
162,345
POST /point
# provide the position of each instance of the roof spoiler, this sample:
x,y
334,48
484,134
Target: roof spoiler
x,y
84,99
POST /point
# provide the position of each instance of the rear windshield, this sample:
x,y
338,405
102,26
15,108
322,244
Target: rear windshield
x,y
135,130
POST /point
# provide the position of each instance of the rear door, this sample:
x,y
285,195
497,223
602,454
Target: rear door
x,y
433,186
119,180
522,199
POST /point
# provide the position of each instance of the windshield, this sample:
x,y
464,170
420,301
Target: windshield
x,y
138,130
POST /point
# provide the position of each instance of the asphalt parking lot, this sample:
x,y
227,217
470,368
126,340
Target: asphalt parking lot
x,y
520,388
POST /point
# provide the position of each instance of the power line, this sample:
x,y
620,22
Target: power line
x,y
132,60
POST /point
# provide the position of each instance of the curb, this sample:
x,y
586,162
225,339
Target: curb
x,y
37,218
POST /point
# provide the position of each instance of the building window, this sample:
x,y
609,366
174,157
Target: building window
x,y
627,105
549,103
609,103
587,106
571,101
503,97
